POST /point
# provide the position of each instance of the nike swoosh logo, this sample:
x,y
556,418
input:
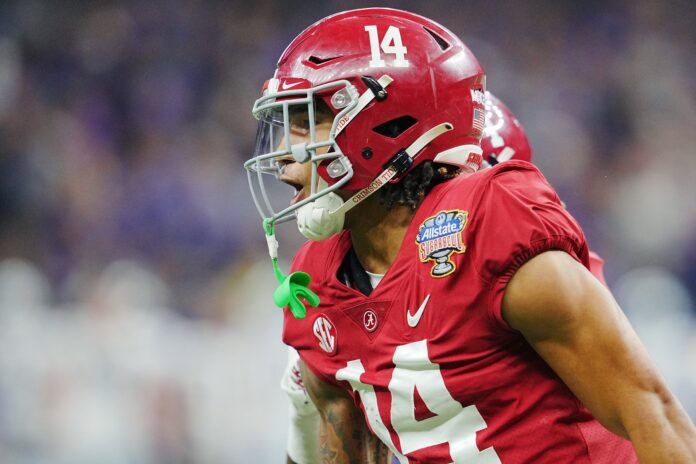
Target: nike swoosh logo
x,y
286,86
415,318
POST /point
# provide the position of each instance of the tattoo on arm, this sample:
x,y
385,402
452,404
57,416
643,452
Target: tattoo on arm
x,y
343,435
377,452
343,431
345,438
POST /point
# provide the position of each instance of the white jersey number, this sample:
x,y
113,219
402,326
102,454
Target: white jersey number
x,y
391,44
451,424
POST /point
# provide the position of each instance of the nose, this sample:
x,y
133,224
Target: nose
x,y
283,163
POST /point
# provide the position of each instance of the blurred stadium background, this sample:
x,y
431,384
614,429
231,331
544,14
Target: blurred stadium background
x,y
136,323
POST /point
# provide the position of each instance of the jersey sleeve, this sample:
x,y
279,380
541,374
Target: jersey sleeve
x,y
519,217
597,267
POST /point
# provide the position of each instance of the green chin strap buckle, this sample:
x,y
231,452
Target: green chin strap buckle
x,y
292,287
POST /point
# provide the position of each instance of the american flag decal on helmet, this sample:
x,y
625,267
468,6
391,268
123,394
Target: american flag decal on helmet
x,y
479,121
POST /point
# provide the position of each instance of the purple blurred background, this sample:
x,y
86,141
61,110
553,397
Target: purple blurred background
x,y
136,319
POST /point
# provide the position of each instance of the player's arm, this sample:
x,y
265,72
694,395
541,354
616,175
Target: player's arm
x,y
343,434
303,423
575,324
376,451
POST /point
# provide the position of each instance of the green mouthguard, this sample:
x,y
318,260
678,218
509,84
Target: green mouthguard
x,y
292,287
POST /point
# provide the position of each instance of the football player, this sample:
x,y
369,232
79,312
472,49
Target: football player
x,y
457,311
503,139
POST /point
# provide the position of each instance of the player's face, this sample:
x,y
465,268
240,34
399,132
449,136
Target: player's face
x,y
299,175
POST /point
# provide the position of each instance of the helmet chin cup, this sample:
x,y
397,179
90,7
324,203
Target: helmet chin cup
x,y
315,220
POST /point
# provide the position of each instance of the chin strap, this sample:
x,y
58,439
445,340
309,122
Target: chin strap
x,y
292,287
389,173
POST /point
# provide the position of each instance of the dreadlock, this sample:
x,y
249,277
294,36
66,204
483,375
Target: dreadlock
x,y
416,184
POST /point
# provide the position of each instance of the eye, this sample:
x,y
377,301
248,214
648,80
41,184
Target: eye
x,y
300,129
299,123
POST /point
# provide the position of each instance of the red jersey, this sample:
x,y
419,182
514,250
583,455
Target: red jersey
x,y
597,267
438,373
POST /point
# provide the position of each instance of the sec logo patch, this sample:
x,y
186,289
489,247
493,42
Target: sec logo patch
x,y
325,332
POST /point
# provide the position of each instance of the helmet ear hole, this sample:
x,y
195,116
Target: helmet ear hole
x,y
395,127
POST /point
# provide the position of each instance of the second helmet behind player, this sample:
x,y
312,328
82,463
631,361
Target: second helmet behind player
x,y
504,137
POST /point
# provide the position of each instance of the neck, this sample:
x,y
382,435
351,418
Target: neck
x,y
377,233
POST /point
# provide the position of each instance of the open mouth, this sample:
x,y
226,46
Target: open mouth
x,y
300,193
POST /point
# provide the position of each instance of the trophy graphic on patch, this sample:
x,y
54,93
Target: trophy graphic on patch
x,y
439,237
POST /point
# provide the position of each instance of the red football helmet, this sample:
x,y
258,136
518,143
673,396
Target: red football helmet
x,y
504,137
402,88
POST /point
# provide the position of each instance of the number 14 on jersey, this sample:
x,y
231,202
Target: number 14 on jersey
x,y
452,423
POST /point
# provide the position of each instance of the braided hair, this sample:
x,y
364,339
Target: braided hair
x,y
416,184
